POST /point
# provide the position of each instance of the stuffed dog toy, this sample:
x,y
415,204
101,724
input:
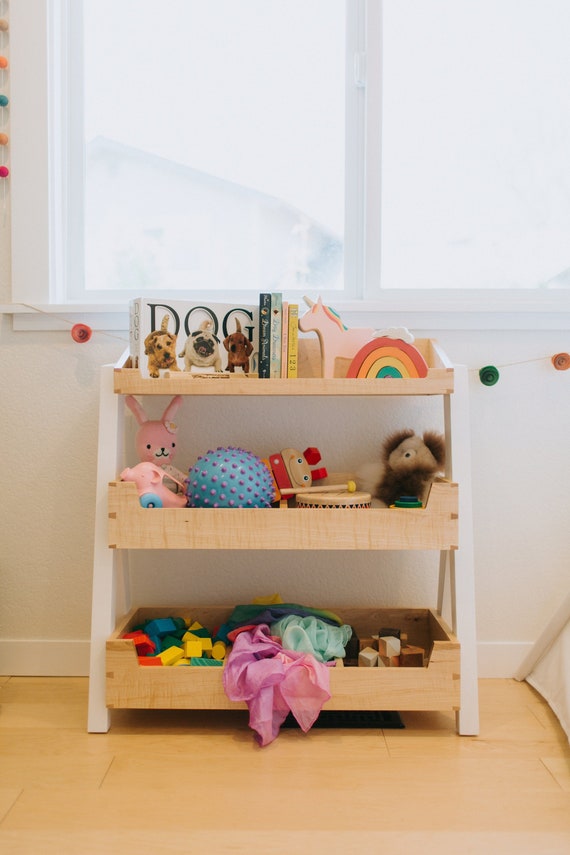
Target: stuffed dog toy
x,y
239,350
160,347
201,349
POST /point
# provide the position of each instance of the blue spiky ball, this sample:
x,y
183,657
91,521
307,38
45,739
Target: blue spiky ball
x,y
230,478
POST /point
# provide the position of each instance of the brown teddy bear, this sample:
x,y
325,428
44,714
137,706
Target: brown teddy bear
x,y
409,465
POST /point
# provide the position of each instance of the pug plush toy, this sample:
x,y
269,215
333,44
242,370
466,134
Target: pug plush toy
x,y
202,349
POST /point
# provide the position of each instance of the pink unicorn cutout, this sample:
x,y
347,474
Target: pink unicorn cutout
x,y
335,338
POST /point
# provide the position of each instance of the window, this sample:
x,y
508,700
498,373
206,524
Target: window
x,y
404,152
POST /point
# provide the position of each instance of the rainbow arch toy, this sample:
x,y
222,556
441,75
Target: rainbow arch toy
x,y
385,357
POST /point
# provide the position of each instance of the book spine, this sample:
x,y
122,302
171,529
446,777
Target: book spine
x,y
275,333
264,335
293,344
284,337
134,331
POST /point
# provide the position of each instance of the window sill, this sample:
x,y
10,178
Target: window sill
x,y
425,310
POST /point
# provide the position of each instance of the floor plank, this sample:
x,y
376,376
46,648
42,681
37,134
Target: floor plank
x,y
161,778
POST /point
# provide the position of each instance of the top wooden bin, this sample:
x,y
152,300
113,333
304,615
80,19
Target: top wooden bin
x,y
439,380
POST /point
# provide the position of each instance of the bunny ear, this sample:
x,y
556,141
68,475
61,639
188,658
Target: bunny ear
x,y
171,409
136,409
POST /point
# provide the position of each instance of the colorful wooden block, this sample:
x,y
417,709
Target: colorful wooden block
x,y
219,650
193,648
171,655
160,627
151,661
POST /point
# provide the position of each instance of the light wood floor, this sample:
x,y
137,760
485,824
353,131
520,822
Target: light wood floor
x,y
196,782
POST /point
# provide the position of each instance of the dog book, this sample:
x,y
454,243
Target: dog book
x,y
202,338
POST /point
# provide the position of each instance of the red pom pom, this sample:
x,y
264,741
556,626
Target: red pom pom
x,y
81,333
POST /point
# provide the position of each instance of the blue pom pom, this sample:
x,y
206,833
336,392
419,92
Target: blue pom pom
x,y
230,478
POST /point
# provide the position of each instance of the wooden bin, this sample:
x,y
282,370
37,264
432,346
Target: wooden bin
x,y
134,527
433,687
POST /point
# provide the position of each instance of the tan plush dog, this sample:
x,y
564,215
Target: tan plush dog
x,y
239,350
160,347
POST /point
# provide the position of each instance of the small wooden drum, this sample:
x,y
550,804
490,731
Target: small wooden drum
x,y
337,499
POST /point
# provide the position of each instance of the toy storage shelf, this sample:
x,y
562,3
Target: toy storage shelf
x,y
117,680
134,527
433,687
439,380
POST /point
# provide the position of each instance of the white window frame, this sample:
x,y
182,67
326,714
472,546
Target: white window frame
x,y
38,94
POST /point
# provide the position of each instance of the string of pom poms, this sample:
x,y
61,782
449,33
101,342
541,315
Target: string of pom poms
x,y
80,333
489,375
4,101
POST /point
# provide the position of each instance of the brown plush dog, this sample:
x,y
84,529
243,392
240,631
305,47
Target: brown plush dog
x,y
239,350
160,347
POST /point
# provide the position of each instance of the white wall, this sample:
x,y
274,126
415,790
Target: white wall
x,y
48,416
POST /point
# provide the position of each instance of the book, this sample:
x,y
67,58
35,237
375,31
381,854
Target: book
x,y
293,340
202,338
284,337
275,335
264,335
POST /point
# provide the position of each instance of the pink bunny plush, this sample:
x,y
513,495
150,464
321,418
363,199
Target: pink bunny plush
x,y
156,439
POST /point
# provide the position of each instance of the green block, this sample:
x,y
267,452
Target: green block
x,y
205,661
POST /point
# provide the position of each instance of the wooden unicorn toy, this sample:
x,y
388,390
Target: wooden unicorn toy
x,y
335,338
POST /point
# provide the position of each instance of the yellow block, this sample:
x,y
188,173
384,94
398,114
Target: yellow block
x,y
171,655
193,648
195,625
189,636
219,650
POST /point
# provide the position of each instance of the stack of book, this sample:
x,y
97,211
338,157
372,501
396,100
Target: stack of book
x,y
278,336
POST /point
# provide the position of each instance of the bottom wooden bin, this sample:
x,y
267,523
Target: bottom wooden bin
x,y
433,687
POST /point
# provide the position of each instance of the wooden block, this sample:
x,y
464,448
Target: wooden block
x,y
389,661
219,650
412,657
193,648
151,661
368,658
389,646
171,655
369,641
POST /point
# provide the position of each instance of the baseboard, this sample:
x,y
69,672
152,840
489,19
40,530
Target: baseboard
x,y
501,658
39,658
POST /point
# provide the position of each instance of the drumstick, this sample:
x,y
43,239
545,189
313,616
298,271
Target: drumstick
x,y
350,486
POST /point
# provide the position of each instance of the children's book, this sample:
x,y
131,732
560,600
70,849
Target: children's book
x,y
202,338
275,335
264,335
293,341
